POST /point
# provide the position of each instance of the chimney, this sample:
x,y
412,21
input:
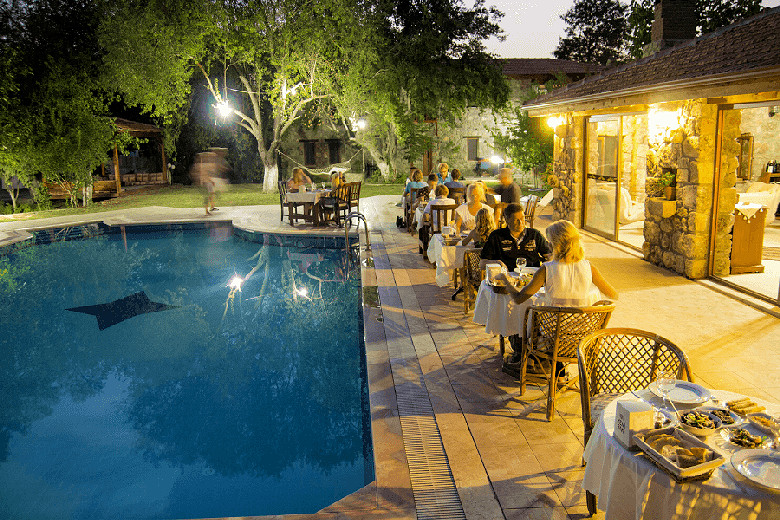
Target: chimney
x,y
674,22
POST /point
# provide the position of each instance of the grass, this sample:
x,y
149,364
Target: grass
x,y
179,196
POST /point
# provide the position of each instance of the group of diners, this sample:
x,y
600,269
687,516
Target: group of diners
x,y
500,229
299,181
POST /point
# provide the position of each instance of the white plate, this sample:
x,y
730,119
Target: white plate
x,y
760,467
683,392
760,426
737,419
726,434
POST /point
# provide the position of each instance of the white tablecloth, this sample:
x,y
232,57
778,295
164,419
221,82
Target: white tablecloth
x,y
629,486
446,258
499,313
307,196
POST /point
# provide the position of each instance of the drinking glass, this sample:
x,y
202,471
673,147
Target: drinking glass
x,y
666,380
520,263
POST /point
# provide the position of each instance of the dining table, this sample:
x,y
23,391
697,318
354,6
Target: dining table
x,y
447,254
630,486
497,311
310,200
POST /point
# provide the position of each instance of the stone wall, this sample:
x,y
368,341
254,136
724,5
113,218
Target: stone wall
x,y
729,164
568,152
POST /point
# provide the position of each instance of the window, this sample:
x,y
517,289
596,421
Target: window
x,y
472,144
334,151
309,153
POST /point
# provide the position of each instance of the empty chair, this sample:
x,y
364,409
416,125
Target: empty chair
x,y
553,334
354,195
530,209
615,361
292,207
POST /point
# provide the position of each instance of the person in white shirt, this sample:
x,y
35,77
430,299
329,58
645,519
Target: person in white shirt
x,y
465,213
441,199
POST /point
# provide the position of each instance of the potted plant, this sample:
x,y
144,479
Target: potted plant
x,y
668,180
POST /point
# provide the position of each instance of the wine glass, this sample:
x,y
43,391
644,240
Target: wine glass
x,y
666,380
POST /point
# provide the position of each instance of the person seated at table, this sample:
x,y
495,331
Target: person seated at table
x,y
483,226
509,191
505,245
425,193
441,199
416,182
568,278
455,182
466,212
298,179
442,173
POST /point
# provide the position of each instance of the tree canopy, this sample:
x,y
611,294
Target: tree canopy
x,y
595,32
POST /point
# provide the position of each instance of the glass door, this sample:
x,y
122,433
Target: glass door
x,y
602,175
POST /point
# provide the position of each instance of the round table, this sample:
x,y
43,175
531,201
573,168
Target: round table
x,y
629,486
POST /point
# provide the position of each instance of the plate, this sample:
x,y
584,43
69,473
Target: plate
x,y
726,434
760,467
771,430
683,392
696,430
737,419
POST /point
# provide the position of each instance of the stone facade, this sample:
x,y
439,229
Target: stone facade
x,y
679,136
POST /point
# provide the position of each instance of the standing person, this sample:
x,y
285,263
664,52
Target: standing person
x,y
568,279
455,182
509,190
202,172
507,244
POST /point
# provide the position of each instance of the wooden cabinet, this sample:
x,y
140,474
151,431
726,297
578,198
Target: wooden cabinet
x,y
747,243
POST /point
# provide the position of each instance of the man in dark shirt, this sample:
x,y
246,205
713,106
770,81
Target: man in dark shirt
x,y
509,190
516,241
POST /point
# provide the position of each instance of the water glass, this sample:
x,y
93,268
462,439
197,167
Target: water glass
x,y
520,264
666,380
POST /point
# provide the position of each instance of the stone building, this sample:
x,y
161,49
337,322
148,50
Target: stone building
x,y
699,113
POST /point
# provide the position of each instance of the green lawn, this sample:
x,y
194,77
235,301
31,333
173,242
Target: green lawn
x,y
178,196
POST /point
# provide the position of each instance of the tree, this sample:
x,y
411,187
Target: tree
x,y
425,61
528,144
595,32
712,14
54,119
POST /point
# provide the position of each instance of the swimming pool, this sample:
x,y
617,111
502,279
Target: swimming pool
x,y
180,371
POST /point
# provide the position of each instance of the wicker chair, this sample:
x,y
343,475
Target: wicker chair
x,y
530,209
615,361
554,333
472,277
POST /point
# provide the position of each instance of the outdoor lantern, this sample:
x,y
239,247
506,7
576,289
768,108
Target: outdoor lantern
x,y
496,159
223,109
361,124
555,121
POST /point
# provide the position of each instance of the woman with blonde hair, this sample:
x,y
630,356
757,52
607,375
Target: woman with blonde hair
x,y
484,225
299,179
568,278
466,213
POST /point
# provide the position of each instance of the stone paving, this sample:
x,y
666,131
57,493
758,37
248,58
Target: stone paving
x,y
507,461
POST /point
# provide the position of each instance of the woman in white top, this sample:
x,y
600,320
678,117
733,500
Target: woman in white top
x,y
475,201
568,278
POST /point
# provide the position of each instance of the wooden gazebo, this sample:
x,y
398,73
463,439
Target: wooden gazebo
x,y
143,130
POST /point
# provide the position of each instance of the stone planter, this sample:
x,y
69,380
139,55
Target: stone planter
x,y
670,192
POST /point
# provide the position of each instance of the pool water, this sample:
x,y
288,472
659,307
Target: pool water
x,y
138,380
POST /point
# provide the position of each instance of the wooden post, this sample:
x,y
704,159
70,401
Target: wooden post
x,y
116,171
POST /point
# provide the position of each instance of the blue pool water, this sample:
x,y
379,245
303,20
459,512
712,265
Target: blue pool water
x,y
195,399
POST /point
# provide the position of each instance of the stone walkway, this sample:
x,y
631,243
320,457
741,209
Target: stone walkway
x,y
506,460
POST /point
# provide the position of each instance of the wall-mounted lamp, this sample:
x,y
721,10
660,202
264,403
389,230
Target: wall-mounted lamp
x,y
555,121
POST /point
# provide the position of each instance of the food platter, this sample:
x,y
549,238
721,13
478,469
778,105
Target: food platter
x,y
759,467
760,442
723,414
764,422
699,422
683,392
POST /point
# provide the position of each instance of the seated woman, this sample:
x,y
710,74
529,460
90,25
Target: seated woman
x,y
484,225
298,179
568,278
466,212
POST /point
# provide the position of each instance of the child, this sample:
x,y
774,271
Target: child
x,y
484,225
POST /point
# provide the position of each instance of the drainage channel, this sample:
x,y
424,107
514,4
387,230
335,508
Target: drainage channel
x,y
433,486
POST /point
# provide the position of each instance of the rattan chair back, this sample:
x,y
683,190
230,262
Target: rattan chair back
x,y
472,277
554,333
615,361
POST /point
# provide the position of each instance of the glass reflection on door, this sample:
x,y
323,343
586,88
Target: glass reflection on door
x,y
601,180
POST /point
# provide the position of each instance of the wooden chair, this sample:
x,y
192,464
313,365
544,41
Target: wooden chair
x,y
530,209
615,361
472,277
442,215
408,209
291,207
553,334
458,195
332,206
354,195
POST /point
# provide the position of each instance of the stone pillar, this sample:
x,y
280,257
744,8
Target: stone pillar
x,y
568,151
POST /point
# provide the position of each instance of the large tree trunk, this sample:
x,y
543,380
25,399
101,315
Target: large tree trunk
x,y
271,167
9,188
